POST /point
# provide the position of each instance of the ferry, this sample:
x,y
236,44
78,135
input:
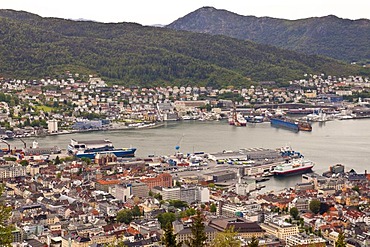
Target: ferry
x,y
88,149
293,167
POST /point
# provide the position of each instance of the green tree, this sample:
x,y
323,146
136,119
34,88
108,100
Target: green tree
x,y
178,203
213,208
356,188
86,160
158,196
212,185
57,160
315,206
24,162
169,238
117,243
190,211
340,241
228,238
254,242
6,236
197,228
125,216
294,212
136,212
166,218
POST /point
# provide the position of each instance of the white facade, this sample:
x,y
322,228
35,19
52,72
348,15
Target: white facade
x,y
12,171
299,240
243,187
170,193
122,192
202,195
53,126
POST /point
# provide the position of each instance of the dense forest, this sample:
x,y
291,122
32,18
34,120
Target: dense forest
x,y
342,39
131,54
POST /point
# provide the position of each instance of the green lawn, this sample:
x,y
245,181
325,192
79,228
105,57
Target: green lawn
x,y
45,108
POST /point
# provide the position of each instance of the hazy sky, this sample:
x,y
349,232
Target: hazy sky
x,y
148,12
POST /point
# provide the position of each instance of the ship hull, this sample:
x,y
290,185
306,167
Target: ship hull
x,y
280,123
293,172
130,152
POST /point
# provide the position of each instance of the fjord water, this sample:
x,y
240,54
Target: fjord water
x,y
346,142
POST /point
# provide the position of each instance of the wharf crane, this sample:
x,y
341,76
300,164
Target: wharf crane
x,y
177,147
7,143
24,143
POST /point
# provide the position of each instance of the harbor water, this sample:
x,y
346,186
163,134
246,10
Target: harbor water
x,y
346,142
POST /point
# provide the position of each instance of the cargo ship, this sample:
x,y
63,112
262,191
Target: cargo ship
x,y
291,124
88,149
293,167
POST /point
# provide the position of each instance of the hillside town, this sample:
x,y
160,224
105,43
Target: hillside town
x,y
82,202
80,103
71,200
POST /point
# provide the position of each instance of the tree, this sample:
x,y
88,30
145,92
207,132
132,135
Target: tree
x,y
254,242
117,243
212,185
190,211
324,207
178,203
57,160
24,162
228,238
169,238
136,212
294,212
356,188
213,208
166,218
158,196
124,216
6,236
197,228
340,241
86,160
315,206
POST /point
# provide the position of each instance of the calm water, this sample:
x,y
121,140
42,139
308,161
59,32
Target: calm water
x,y
346,142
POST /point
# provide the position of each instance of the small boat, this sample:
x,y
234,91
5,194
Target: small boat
x,y
240,120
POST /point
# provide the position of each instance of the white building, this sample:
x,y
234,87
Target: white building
x,y
202,195
280,229
122,192
168,193
53,126
304,240
12,171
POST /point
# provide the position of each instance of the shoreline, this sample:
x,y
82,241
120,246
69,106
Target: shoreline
x,y
67,132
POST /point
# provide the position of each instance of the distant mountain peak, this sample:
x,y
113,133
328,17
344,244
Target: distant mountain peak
x,y
315,35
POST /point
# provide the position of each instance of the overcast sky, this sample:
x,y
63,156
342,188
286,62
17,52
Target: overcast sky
x,y
149,12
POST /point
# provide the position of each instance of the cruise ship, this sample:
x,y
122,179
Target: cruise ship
x,y
293,167
88,149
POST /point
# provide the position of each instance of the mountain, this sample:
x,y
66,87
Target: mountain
x,y
330,36
131,54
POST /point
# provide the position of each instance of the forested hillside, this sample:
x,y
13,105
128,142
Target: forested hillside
x,y
32,46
